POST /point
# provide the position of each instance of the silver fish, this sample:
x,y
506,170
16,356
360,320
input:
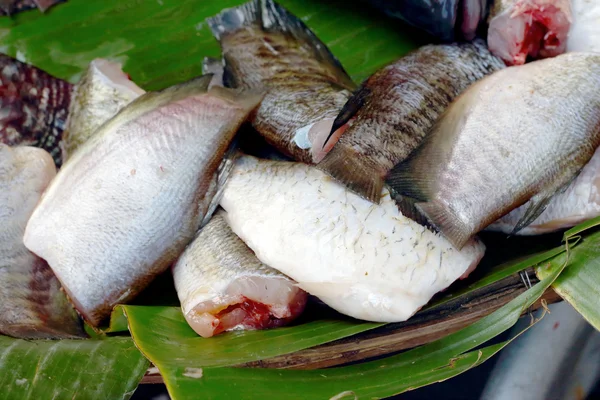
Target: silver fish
x,y
362,259
223,286
32,304
126,204
102,91
522,133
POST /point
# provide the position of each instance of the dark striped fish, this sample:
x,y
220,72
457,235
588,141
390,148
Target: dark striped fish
x,y
32,304
265,47
33,107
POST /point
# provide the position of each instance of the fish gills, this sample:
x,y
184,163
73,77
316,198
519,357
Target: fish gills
x,y
388,117
365,260
32,304
223,286
102,91
522,133
534,28
127,203
265,47
33,107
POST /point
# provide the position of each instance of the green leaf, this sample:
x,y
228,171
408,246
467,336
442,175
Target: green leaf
x,y
162,332
109,368
581,227
163,42
580,283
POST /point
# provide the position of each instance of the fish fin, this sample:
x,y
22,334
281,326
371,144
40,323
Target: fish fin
x,y
345,166
445,222
537,205
354,103
222,175
404,182
408,207
273,17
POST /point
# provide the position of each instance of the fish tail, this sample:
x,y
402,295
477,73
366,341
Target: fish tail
x,y
445,222
348,168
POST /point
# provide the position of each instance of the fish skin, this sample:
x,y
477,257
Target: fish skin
x,y
102,91
584,34
394,108
528,28
265,47
126,204
33,107
365,260
504,141
578,203
32,304
218,279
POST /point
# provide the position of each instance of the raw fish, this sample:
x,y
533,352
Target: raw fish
x,y
363,259
578,203
223,286
126,204
103,90
534,28
33,107
32,305
388,117
585,28
266,47
521,133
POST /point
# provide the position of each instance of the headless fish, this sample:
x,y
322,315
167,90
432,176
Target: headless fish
x,y
33,107
529,28
265,47
365,260
223,286
388,117
102,91
522,133
32,304
126,204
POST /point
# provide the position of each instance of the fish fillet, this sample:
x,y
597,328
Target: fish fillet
x,y
223,286
365,260
126,204
32,304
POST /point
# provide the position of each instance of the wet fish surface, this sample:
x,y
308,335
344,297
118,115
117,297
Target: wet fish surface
x,y
32,304
528,28
223,286
505,141
388,117
578,203
126,204
265,47
365,260
584,34
33,107
102,91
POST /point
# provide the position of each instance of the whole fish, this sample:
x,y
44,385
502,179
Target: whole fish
x,y
578,203
521,133
102,91
445,19
388,117
265,47
126,204
33,107
32,304
528,28
222,286
365,260
9,7
585,28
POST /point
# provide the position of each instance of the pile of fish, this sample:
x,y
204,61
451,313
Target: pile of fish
x,y
369,197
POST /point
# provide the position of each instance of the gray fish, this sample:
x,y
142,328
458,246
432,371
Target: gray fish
x,y
388,117
265,47
126,204
523,133
223,286
32,304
